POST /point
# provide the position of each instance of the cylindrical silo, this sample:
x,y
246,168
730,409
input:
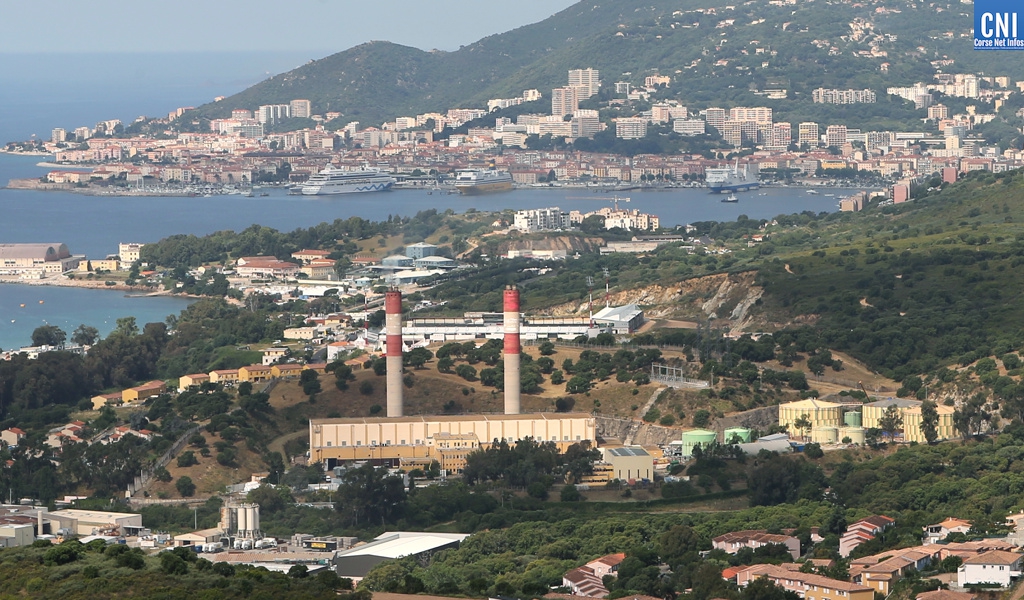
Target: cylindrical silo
x,y
856,434
736,432
852,419
243,518
697,437
824,435
254,517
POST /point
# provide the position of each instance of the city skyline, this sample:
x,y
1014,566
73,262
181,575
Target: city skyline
x,y
119,26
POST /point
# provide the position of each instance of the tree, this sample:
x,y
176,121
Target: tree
x,y
127,327
48,335
929,421
84,335
187,459
185,486
569,493
417,357
342,375
445,364
891,422
310,382
802,424
245,388
546,348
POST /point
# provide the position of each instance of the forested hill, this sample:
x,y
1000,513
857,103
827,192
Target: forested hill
x,y
715,52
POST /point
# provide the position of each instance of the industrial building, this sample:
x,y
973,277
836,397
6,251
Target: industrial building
x,y
390,439
92,522
37,260
356,562
629,463
848,423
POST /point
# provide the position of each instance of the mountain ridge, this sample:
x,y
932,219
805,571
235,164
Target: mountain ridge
x,y
732,50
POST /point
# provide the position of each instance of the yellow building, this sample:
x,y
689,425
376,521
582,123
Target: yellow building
x,y
805,585
286,370
195,380
254,373
819,412
107,264
144,391
912,424
224,376
873,412
102,400
394,439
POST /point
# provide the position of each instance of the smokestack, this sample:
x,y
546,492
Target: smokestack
x,y
511,350
393,356
39,521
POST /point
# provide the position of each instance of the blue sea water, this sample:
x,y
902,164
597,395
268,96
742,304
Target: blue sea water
x,y
40,92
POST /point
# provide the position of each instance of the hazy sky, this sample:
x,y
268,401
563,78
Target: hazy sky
x,y
317,26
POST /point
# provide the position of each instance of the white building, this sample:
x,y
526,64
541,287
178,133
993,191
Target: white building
x,y
630,128
587,81
996,566
541,219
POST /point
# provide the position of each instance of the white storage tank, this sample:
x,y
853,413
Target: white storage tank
x,y
254,517
243,519
856,434
824,435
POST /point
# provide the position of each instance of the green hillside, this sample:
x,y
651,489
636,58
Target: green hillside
x,y
801,46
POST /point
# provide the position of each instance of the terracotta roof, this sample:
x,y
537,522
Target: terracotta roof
x,y
994,557
774,572
731,572
945,595
611,559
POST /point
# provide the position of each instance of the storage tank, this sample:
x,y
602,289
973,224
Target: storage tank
x,y
741,432
856,434
824,435
243,519
852,418
697,437
254,517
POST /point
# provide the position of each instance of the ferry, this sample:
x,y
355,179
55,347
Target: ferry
x,y
341,181
732,179
473,182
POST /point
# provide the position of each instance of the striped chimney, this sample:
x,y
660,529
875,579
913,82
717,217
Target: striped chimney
x,y
393,354
511,299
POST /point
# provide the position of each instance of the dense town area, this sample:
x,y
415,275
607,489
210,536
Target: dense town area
x,y
273,143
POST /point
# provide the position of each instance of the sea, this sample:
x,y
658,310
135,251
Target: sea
x,y
47,91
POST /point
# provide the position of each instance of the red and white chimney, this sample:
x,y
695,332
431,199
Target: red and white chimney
x,y
511,301
393,354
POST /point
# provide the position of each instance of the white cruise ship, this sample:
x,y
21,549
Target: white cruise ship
x,y
472,182
341,181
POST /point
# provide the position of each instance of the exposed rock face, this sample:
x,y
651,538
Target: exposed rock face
x,y
570,243
723,296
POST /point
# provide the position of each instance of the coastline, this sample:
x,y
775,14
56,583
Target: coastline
x,y
134,291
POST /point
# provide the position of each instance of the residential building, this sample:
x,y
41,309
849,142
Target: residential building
x,y
582,581
862,531
835,135
58,135
715,117
939,531
805,585
541,219
308,256
186,382
586,81
995,567
272,355
735,541
224,376
689,126
143,392
757,114
630,128
584,124
945,595
807,133
564,101
653,81
300,109
254,373
606,565
781,136
827,96
938,112
263,266
268,114
12,437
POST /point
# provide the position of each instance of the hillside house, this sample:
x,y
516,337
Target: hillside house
x,y
755,538
939,531
994,567
806,585
862,531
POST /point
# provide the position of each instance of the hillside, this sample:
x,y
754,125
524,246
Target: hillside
x,y
733,50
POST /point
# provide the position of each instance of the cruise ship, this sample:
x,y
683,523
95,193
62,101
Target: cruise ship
x,y
732,179
472,182
341,181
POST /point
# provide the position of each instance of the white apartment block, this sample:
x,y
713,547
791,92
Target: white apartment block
x,y
587,81
688,126
585,123
827,96
301,109
657,80
807,133
835,135
630,128
272,113
715,117
757,114
128,253
564,101
541,219
58,135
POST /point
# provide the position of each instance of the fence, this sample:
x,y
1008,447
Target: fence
x,y
673,377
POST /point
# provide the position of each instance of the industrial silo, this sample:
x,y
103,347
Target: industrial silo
x,y
732,433
697,437
243,519
824,435
852,418
855,434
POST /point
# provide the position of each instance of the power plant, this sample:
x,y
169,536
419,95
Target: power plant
x,y
417,441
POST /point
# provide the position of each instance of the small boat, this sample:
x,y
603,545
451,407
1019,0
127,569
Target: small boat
x,y
23,306
731,198
814,192
830,195
41,302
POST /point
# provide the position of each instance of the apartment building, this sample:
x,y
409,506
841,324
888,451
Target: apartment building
x,y
564,101
630,128
806,585
586,81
